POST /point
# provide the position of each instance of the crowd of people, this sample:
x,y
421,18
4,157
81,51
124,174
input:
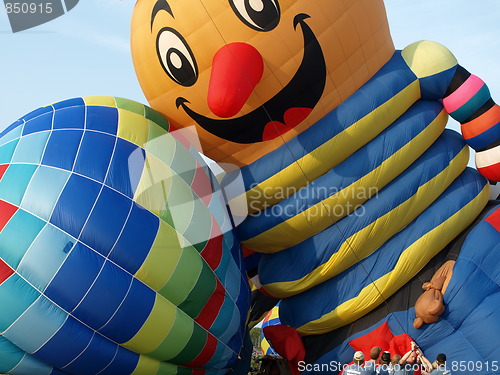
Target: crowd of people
x,y
413,362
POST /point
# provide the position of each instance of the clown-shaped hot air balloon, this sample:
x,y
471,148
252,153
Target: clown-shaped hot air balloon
x,y
116,253
354,184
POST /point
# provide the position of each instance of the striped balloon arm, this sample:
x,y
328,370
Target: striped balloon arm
x,y
468,101
465,97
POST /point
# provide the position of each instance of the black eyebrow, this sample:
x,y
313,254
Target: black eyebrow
x,y
159,6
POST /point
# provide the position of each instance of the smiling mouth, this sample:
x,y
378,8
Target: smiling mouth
x,y
285,110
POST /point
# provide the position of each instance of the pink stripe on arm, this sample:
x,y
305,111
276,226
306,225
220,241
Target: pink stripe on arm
x,y
463,94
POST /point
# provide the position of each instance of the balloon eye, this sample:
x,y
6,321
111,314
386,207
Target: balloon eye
x,y
176,57
261,15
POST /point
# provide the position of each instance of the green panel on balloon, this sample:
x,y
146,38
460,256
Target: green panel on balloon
x,y
194,347
156,117
177,338
184,277
130,105
201,293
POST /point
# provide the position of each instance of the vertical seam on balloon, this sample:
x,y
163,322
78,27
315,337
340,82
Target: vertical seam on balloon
x,y
100,191
120,305
41,159
38,167
123,228
84,131
83,227
30,247
18,363
79,355
112,359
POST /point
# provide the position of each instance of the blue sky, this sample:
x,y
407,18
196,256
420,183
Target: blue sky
x,y
86,52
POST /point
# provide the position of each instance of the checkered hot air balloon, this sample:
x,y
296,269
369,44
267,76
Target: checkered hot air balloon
x,y
116,252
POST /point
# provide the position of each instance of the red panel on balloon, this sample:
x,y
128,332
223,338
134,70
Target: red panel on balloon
x,y
494,219
3,168
7,210
5,271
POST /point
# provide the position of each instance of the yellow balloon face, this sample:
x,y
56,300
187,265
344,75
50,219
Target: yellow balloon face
x,y
252,74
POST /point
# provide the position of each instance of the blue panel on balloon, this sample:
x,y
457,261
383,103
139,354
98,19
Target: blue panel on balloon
x,y
17,237
95,358
5,136
10,355
104,297
126,167
104,119
75,277
50,248
69,118
30,148
30,365
37,112
136,239
40,123
75,203
7,150
106,221
62,148
15,181
124,362
16,296
95,155
66,344
132,313
220,325
37,325
44,191
69,103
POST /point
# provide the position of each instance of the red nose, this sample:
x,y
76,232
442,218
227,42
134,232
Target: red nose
x,y
236,70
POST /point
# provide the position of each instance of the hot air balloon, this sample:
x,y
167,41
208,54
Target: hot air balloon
x,y
272,318
117,255
353,185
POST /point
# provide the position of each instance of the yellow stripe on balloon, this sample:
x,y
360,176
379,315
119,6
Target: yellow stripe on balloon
x,y
411,261
101,101
162,259
426,58
264,345
332,152
133,127
177,338
151,366
147,366
154,185
322,215
370,238
155,328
